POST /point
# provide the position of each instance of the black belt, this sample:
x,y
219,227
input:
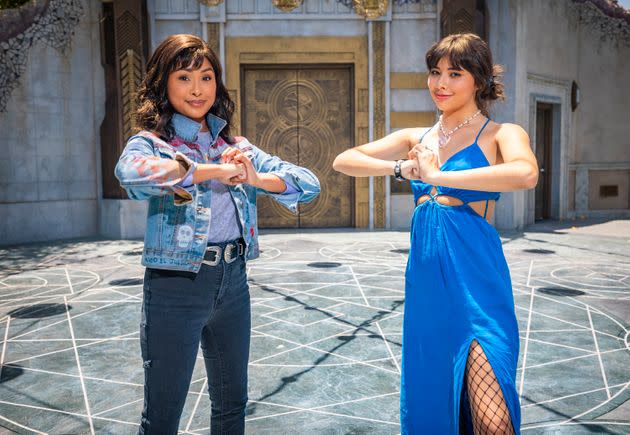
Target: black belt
x,y
227,252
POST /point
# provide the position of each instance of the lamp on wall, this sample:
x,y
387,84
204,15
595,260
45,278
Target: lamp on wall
x,y
211,3
575,96
370,9
287,5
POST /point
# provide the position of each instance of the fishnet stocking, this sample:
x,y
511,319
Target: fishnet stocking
x,y
488,409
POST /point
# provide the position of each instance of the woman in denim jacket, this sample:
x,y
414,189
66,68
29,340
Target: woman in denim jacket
x,y
201,184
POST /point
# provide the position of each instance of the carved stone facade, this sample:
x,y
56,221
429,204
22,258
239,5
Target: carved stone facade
x,y
604,20
53,24
545,47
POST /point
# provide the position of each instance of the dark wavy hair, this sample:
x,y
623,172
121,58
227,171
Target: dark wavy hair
x,y
174,53
471,53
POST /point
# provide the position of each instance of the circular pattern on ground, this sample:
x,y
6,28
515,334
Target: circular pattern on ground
x,y
326,334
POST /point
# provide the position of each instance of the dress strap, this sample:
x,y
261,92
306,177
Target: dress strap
x,y
425,133
484,126
485,212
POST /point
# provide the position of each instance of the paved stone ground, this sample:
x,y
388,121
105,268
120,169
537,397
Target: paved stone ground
x,y
327,316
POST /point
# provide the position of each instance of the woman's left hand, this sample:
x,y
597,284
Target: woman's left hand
x,y
251,176
265,181
427,163
230,156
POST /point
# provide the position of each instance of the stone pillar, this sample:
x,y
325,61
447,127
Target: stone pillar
x,y
581,189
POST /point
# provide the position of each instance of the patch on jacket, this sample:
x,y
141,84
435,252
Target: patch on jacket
x,y
184,236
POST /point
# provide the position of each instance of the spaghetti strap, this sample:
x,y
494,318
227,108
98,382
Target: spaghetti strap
x,y
425,133
485,212
484,126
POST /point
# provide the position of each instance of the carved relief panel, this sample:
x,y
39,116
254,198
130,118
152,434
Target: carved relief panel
x,y
304,116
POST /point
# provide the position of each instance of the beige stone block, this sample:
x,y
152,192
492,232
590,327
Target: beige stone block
x,y
408,80
620,179
412,119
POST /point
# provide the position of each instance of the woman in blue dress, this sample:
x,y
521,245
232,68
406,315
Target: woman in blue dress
x,y
460,334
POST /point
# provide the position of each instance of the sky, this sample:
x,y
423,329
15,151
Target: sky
x,y
625,3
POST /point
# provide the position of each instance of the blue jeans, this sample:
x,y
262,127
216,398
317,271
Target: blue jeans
x,y
180,310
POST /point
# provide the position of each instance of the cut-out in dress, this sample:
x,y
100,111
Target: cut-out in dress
x,y
457,289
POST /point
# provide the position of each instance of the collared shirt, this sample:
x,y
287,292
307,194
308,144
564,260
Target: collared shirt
x,y
224,225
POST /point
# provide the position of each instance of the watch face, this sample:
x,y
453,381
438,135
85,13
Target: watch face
x,y
397,172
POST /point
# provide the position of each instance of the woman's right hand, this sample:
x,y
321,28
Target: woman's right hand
x,y
427,163
426,159
410,169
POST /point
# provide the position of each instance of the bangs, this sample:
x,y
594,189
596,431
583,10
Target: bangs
x,y
190,57
459,51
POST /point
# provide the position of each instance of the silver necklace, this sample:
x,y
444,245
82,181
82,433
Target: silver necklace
x,y
446,135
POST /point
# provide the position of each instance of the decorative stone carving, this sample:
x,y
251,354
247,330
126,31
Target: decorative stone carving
x,y
16,20
610,22
53,26
372,9
287,5
130,78
211,3
349,3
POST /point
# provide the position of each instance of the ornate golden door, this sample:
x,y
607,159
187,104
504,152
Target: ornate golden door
x,y
303,116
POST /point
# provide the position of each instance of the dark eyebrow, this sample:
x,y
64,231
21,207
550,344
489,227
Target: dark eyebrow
x,y
203,71
450,69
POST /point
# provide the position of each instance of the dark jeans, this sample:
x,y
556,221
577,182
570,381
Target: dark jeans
x,y
180,310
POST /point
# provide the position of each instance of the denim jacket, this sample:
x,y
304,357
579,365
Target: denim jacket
x,y
179,217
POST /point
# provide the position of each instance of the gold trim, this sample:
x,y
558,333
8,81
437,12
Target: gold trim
x,y
370,9
130,77
408,80
364,102
412,119
305,50
214,32
378,45
211,3
286,5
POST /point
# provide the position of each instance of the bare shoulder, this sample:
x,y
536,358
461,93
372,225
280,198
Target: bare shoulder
x,y
513,143
508,131
408,136
413,134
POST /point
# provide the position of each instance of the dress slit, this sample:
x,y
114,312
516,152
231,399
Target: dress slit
x,y
462,398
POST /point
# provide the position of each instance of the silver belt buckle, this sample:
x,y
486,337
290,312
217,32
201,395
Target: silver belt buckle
x,y
217,257
227,253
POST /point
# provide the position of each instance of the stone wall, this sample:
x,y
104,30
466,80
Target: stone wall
x,y
49,140
575,41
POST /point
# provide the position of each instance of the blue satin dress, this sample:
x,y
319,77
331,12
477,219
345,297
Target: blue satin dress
x,y
457,289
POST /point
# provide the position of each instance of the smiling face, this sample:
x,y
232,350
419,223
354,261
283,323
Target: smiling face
x,y
452,89
192,92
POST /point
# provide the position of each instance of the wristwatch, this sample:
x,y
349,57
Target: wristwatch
x,y
397,173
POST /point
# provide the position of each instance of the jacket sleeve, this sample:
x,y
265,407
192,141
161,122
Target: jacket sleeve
x,y
142,172
305,185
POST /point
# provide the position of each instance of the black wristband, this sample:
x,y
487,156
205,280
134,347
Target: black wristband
x,y
397,171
